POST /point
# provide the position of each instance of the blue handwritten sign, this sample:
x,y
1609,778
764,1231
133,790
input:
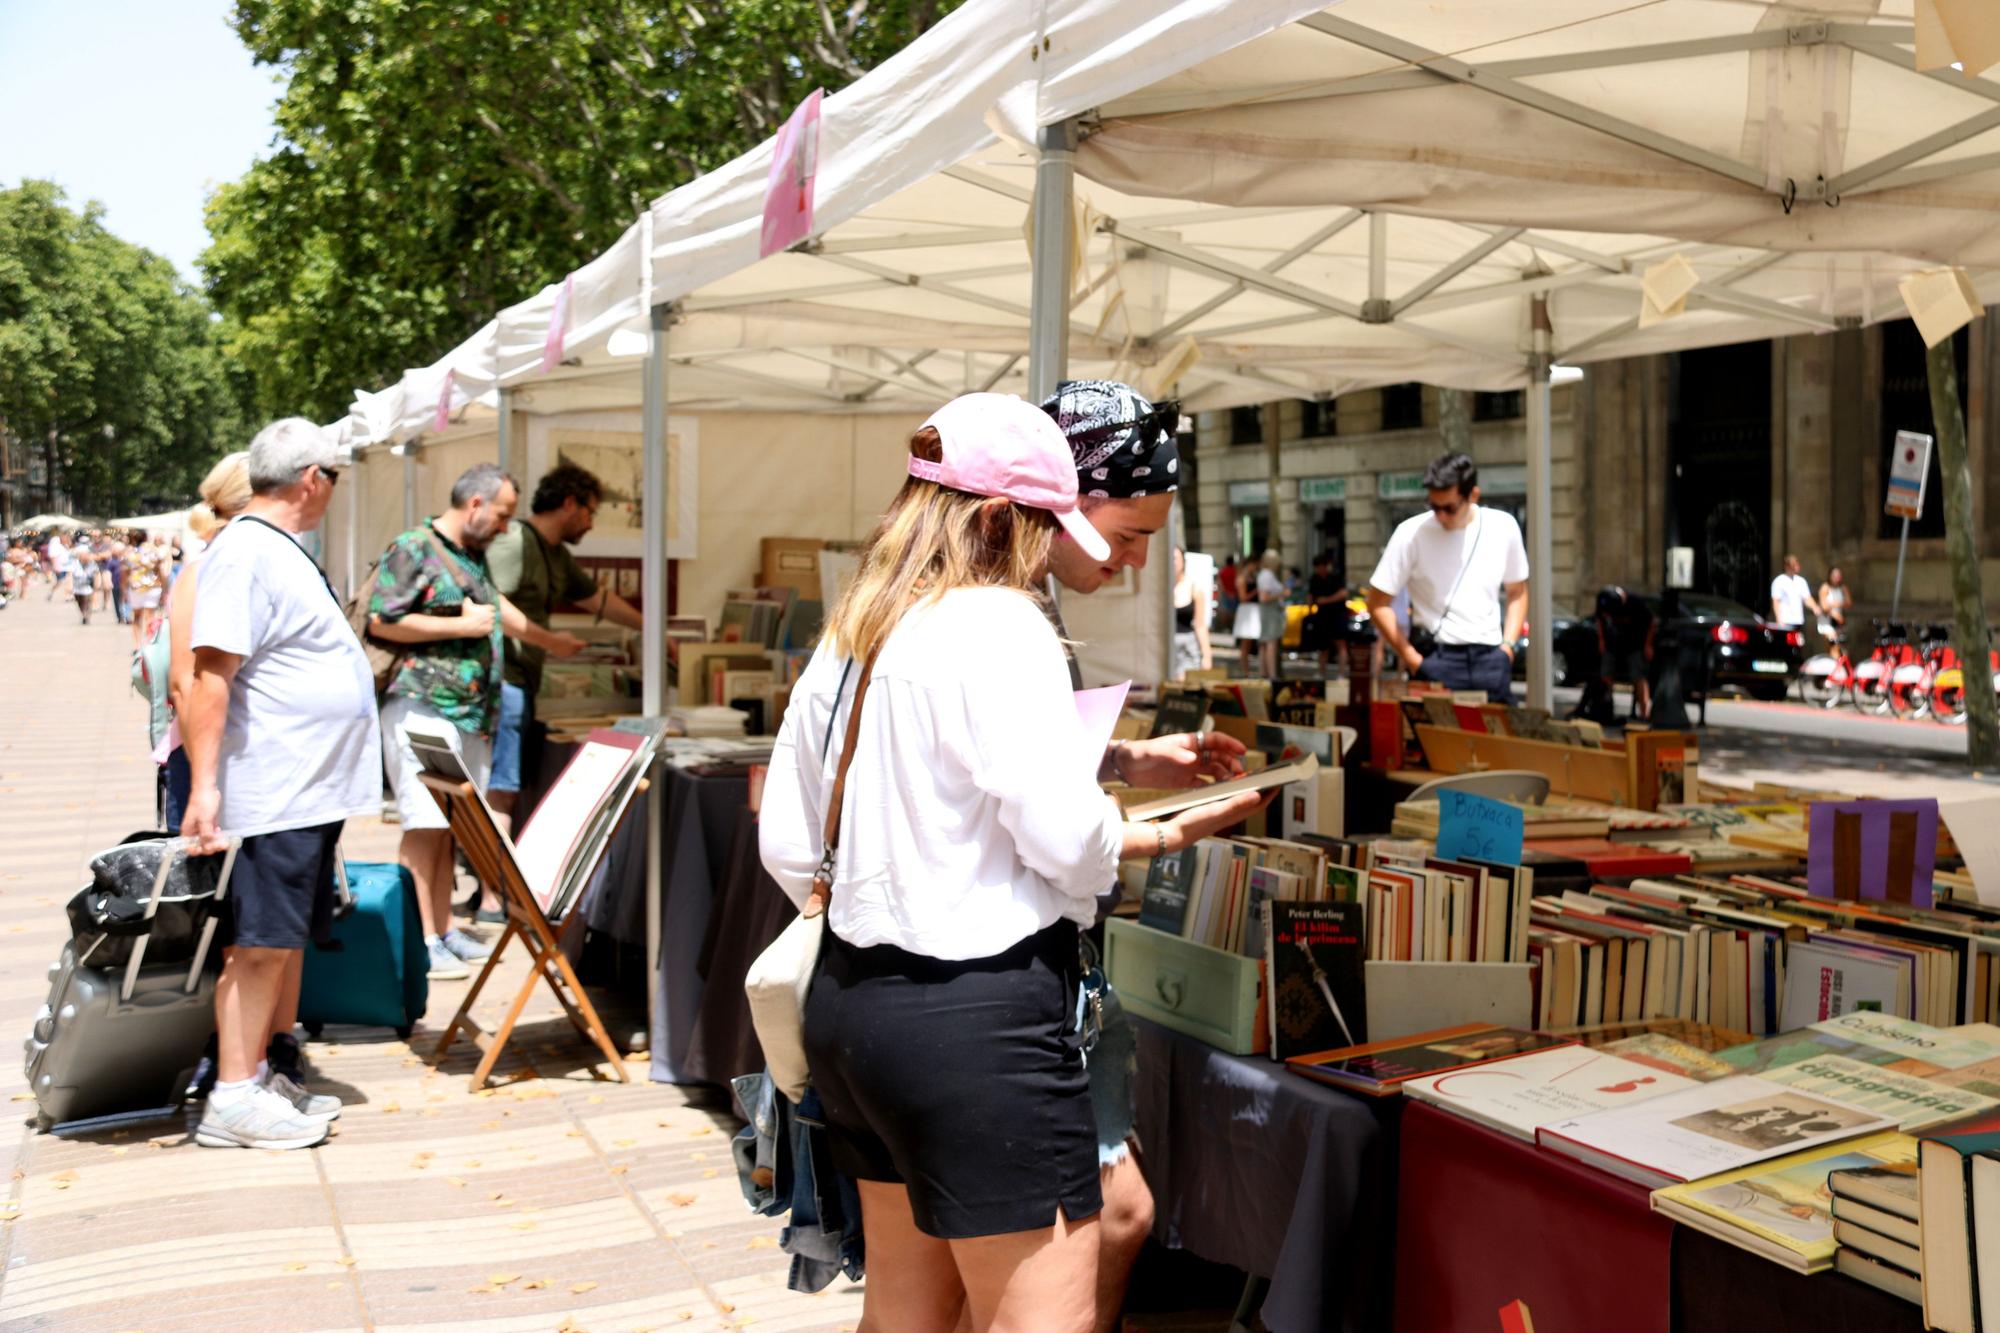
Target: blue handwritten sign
x,y
1479,827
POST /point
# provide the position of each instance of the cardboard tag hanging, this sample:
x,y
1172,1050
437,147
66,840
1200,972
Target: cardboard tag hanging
x,y
1665,287
788,193
443,417
552,344
1941,301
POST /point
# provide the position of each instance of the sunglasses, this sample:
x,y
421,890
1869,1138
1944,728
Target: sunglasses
x,y
332,476
1452,510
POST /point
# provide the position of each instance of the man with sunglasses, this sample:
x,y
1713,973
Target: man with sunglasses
x,y
1459,563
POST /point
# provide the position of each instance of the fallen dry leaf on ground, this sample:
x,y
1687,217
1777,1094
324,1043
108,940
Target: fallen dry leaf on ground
x,y
502,1279
680,1200
578,1288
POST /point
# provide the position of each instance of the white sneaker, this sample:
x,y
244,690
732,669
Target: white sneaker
x,y
259,1118
445,965
311,1105
465,948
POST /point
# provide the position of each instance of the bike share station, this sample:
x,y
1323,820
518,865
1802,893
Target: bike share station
x,y
1898,677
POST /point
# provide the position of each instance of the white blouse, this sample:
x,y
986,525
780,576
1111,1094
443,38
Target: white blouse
x,y
973,817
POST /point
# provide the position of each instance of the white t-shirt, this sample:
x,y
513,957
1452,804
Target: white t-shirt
x,y
58,555
973,818
1789,592
1269,586
301,746
1424,559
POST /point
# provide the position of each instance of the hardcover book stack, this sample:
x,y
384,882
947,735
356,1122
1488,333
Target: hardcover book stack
x,y
1958,1220
1875,1223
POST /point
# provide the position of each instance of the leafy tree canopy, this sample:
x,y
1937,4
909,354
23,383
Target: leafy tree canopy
x,y
438,160
111,367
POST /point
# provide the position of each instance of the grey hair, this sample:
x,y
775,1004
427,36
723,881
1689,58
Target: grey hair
x,y
481,481
284,449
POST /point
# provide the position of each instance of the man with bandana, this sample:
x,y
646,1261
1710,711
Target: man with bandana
x,y
1127,469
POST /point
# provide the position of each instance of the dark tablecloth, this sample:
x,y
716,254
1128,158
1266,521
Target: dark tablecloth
x,y
749,911
1271,1173
1719,1288
1484,1219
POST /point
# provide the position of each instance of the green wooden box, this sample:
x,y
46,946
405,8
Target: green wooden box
x,y
1211,995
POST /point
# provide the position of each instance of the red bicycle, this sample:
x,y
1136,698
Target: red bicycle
x,y
1828,678
1912,684
1872,677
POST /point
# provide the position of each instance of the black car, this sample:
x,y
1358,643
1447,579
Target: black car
x,y
1745,652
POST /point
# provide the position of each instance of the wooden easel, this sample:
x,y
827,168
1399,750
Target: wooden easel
x,y
491,860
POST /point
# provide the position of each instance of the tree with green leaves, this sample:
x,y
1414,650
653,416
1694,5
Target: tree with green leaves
x,y
439,160
111,367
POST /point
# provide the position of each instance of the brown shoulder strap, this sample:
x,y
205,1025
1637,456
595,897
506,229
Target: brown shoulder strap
x,y
823,879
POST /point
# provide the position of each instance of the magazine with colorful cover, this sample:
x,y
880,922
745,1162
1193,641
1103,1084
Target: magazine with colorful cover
x,y
1671,1054
1707,1129
1916,1103
1901,1044
1516,1095
1782,1210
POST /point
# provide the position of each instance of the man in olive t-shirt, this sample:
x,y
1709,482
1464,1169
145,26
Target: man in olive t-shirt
x,y
531,564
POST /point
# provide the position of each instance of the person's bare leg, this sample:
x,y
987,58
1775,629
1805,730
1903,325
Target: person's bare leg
x,y
1642,698
419,855
912,1282
246,996
1122,1228
1031,1281
286,1015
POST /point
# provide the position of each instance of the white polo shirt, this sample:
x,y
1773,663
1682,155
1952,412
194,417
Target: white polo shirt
x,y
1428,560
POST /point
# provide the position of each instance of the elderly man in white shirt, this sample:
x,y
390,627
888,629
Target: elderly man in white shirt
x,y
1458,563
280,732
1791,596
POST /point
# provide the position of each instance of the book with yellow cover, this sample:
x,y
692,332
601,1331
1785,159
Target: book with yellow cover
x,y
1781,1209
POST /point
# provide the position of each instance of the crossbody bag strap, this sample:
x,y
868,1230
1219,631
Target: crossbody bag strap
x,y
822,886
1478,531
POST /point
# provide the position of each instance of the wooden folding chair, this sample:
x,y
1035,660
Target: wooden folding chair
x,y
493,862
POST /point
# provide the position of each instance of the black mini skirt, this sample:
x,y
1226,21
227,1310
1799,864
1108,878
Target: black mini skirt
x,y
962,1081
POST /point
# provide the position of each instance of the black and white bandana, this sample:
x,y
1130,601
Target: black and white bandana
x,y
1123,443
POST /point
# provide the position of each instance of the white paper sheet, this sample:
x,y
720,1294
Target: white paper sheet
x,y
1099,711
1975,827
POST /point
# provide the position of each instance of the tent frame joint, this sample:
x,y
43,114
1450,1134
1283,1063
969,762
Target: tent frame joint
x,y
1378,310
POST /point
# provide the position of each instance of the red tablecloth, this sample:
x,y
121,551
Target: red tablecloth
x,y
1484,1219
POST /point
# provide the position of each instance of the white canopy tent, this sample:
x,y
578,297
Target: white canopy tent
x,y
1255,199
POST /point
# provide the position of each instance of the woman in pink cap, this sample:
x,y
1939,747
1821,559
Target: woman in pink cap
x,y
972,842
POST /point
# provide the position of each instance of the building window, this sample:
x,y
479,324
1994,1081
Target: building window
x,y
1906,405
1316,418
1503,406
1246,425
1402,406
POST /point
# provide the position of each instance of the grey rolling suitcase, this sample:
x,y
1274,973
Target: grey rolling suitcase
x,y
118,1043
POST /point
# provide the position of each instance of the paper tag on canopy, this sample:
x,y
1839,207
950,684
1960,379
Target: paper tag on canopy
x,y
552,345
1665,287
443,417
788,193
1965,33
1941,302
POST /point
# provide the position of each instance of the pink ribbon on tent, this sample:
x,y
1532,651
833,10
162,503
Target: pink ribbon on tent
x,y
788,194
443,417
552,345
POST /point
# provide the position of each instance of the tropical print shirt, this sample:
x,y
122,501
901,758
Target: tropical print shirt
x,y
459,678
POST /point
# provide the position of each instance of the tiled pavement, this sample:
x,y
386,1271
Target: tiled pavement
x,y
556,1202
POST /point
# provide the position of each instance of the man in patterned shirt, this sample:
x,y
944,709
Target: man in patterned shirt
x,y
435,596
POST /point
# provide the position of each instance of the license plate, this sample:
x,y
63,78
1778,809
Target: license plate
x,y
1773,668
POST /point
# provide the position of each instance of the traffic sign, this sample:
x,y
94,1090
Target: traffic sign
x,y
1909,468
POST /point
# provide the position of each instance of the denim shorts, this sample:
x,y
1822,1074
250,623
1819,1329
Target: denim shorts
x,y
507,739
1112,1062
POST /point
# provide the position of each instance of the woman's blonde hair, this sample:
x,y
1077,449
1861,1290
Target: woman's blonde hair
x,y
932,540
224,493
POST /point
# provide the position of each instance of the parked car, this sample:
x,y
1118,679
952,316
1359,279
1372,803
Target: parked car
x,y
1745,652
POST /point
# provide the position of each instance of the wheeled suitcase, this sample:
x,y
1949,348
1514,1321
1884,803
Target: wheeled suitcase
x,y
374,972
118,1039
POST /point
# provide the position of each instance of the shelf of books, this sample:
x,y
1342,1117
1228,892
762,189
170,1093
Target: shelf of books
x,y
1745,1030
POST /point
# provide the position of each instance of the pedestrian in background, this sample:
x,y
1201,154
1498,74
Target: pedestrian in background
x,y
1834,599
82,576
1457,562
1791,596
436,598
279,727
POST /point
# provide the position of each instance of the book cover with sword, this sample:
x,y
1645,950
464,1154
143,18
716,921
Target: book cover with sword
x,y
1314,953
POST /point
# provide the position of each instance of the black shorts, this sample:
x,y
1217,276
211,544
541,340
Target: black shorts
x,y
962,1081
281,891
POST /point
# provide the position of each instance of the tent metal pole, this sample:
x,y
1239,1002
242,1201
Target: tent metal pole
x,y
355,483
1541,559
1048,319
504,434
653,657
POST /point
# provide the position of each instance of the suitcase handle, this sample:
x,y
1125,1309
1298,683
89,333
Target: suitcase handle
x,y
178,847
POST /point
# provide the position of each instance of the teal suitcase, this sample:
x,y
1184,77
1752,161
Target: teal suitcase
x,y
373,972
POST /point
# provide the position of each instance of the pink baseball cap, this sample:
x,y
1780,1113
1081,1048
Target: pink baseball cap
x,y
997,444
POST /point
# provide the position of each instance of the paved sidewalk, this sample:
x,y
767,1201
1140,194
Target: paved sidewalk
x,y
556,1202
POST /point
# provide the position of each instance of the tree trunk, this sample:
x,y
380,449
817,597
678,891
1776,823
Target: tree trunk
x,y
1455,420
1969,628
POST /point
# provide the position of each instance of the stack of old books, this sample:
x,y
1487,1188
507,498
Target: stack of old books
x,y
1875,1227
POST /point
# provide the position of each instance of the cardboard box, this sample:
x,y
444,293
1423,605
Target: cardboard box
x,y
791,562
